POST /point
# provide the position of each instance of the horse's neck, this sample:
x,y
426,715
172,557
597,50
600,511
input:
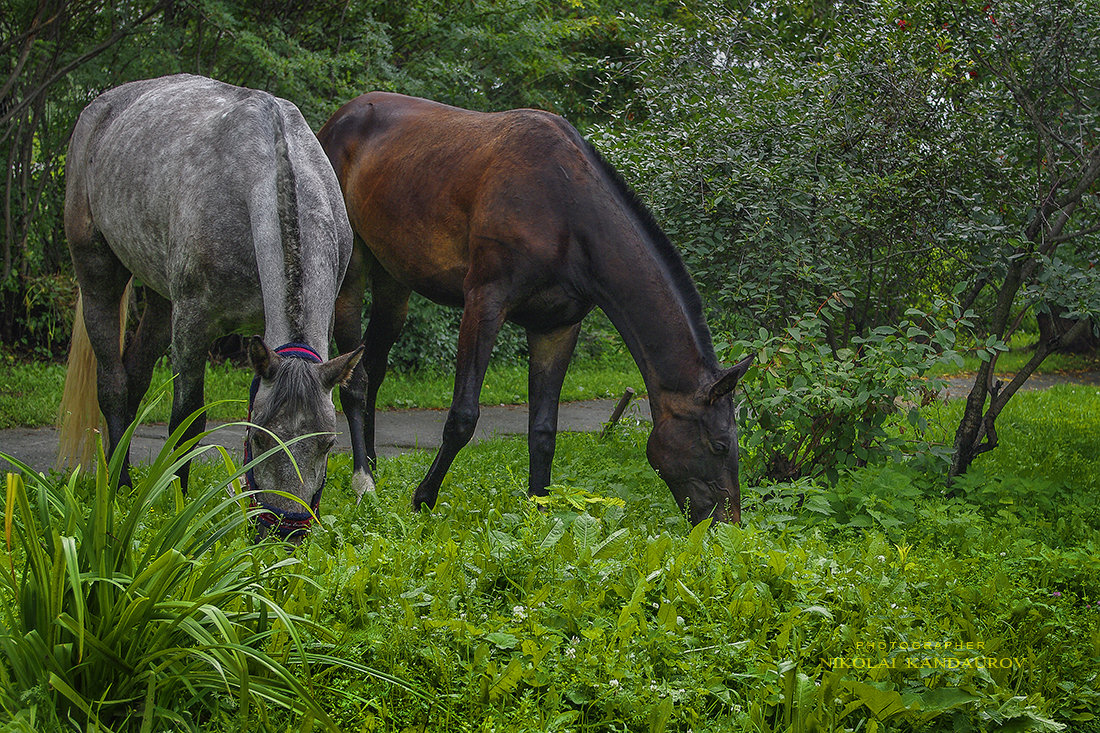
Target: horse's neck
x,y
295,280
293,317
660,324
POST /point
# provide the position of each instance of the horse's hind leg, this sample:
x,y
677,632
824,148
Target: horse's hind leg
x,y
193,329
103,281
482,318
389,308
147,345
550,354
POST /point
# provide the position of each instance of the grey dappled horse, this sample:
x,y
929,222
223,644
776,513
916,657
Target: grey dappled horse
x,y
220,201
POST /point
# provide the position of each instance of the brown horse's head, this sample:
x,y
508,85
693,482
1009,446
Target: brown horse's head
x,y
693,447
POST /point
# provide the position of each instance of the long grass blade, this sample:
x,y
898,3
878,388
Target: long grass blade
x,y
72,566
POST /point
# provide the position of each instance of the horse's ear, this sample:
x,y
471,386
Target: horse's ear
x,y
728,379
336,371
263,359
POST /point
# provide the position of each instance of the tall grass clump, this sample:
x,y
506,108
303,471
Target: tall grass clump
x,y
130,608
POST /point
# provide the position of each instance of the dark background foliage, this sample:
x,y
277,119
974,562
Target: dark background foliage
x,y
930,155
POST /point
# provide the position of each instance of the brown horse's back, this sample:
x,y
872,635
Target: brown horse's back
x,y
432,188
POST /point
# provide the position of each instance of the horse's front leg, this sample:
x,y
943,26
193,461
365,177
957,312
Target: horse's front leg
x,y
482,318
550,353
347,331
389,308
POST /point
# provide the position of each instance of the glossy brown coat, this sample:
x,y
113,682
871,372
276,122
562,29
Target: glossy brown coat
x,y
513,215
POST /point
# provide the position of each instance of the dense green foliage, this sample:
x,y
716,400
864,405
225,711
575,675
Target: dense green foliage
x,y
812,410
791,151
56,55
869,604
894,151
900,152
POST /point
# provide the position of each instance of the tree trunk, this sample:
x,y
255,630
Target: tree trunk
x,y
1053,326
977,431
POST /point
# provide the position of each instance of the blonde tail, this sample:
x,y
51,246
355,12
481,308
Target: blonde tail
x,y
78,415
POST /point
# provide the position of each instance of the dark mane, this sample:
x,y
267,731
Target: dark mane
x,y
667,253
290,234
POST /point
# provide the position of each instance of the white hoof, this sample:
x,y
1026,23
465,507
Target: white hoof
x,y
361,483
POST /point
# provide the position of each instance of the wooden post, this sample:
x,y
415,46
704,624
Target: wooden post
x,y
617,413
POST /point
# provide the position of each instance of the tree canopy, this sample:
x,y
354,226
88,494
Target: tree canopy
x,y
898,154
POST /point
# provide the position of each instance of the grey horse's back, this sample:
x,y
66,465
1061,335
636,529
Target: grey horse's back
x,y
176,174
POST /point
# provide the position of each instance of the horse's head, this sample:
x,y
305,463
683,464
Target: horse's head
x,y
693,447
291,397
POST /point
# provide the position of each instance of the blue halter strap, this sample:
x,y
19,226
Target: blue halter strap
x,y
286,524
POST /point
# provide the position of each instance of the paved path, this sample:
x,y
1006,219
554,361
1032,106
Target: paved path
x,y
404,430
960,386
398,431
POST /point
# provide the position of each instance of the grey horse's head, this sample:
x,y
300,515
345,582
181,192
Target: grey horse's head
x,y
291,397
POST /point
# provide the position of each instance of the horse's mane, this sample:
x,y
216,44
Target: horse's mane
x,y
666,253
286,188
295,386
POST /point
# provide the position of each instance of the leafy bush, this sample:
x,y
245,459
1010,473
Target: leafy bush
x,y
811,408
429,339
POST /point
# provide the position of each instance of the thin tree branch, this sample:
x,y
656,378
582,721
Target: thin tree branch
x,y
1074,235
83,58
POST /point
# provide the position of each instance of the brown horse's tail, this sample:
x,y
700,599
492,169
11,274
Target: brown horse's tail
x,y
78,415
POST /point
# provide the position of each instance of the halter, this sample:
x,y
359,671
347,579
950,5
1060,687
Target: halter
x,y
285,524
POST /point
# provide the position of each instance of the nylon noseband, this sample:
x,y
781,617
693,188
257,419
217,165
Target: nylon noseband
x,y
286,524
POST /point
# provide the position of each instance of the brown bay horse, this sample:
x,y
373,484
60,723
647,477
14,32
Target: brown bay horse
x,y
513,215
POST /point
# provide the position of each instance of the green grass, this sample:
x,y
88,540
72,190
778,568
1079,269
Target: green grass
x,y
871,604
29,393
609,613
1010,362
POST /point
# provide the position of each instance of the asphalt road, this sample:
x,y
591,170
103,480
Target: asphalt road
x,y
398,431
403,430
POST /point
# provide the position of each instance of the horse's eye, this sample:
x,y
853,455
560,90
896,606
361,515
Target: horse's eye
x,y
327,442
718,447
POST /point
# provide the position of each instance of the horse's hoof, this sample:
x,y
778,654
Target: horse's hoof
x,y
361,483
422,504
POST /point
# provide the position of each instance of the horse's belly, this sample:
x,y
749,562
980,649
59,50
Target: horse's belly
x,y
140,243
433,268
549,309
